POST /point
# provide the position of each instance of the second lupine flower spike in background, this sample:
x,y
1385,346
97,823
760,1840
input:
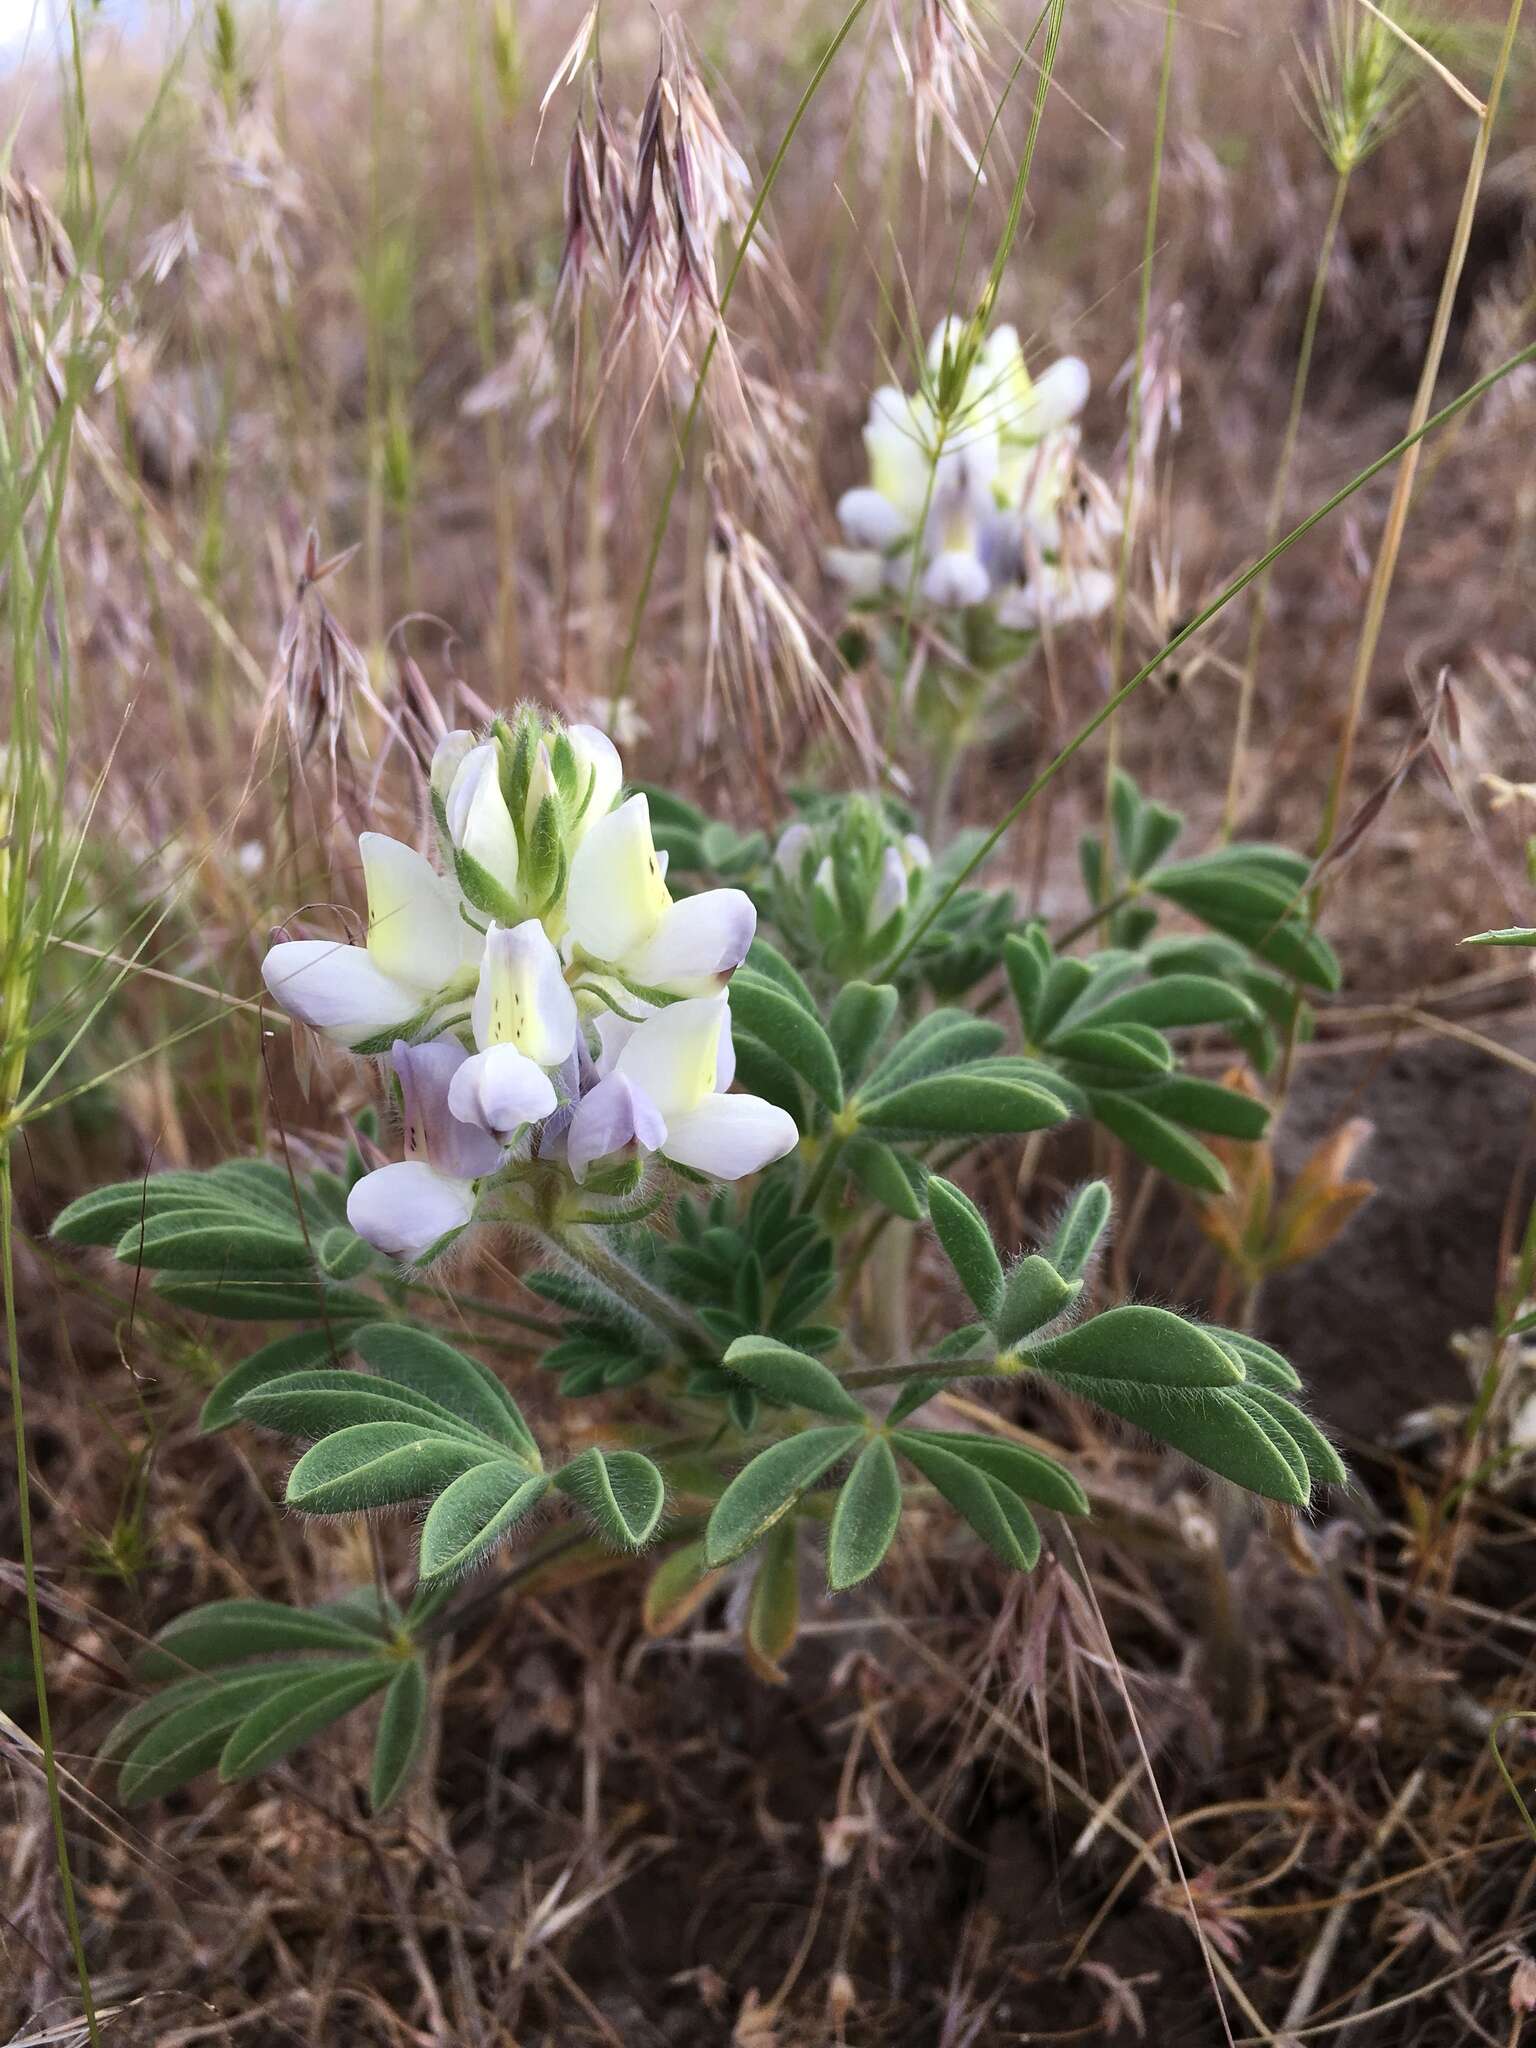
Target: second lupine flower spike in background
x,y
974,495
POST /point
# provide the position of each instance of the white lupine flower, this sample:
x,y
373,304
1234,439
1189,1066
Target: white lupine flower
x,y
420,951
661,1089
601,774
963,495
479,822
404,1210
789,854
1057,594
620,916
890,894
524,1021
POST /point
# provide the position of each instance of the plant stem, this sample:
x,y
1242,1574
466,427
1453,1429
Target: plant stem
x,y
581,1245
1402,492
1277,497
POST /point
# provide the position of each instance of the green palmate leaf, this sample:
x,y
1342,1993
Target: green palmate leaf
x,y
264,1301
1207,1107
764,960
475,1512
860,1018
1324,1466
189,1740
273,1361
967,1242
1030,1474
296,1711
866,1516
970,1102
102,1216
1160,1143
882,1175
943,1039
402,1731
187,1245
1081,1227
993,1509
1265,1367
1214,1430
342,1253
1257,909
1120,1048
769,1487
1142,1346
264,1184
1027,961
791,1378
773,1612
226,1631
772,1014
1176,1000
620,1491
376,1465
316,1404
170,1699
415,1359
1065,981
1034,1295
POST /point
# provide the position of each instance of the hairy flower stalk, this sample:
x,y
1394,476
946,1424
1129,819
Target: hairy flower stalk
x,y
547,1006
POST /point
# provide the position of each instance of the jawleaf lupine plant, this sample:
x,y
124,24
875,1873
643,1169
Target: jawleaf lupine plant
x,y
976,495
699,1136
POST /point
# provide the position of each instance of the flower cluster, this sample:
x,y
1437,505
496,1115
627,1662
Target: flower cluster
x,y
976,494
543,998
843,885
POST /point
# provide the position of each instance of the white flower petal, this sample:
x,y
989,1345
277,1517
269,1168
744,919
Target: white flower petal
x,y
415,932
729,1136
602,774
614,1116
338,989
789,854
674,1057
1057,596
890,893
956,579
522,998
403,1210
860,570
698,944
433,1130
870,521
617,896
500,1091
1059,395
613,1034
479,822
448,758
